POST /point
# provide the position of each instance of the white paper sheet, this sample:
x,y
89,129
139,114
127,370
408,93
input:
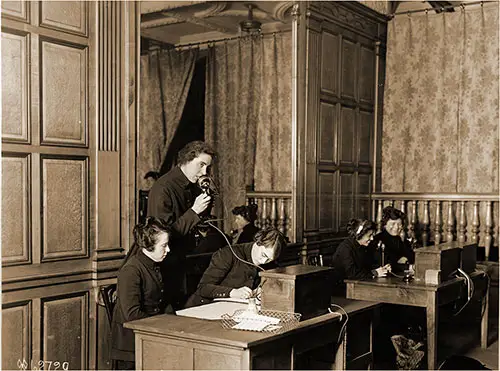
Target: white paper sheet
x,y
212,311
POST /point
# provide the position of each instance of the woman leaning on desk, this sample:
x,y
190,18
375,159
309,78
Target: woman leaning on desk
x,y
354,258
140,292
397,251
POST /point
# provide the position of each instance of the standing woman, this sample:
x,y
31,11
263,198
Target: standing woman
x,y
244,220
140,287
354,259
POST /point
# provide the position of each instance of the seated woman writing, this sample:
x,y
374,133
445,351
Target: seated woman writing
x,y
244,220
354,259
234,270
140,290
396,251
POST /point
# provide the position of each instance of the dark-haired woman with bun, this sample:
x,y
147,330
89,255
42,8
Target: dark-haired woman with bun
x,y
244,220
140,291
353,258
397,251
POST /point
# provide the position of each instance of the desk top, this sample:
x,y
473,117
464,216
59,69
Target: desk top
x,y
414,284
200,330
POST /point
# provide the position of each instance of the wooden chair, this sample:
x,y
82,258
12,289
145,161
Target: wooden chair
x,y
108,296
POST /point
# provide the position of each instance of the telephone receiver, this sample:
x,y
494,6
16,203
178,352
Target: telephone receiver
x,y
207,185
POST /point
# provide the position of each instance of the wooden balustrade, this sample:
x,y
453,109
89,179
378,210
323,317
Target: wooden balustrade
x,y
445,217
274,209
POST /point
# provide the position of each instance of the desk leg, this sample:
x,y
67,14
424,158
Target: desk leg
x,y
432,330
484,320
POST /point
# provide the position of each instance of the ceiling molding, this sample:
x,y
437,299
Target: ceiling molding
x,y
199,22
280,12
213,10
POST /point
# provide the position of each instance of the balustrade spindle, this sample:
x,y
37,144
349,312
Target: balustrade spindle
x,y
475,222
258,222
264,219
450,222
413,220
282,217
487,231
272,218
426,224
462,221
402,207
437,224
379,215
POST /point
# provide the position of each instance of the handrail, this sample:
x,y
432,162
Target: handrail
x,y
386,196
268,194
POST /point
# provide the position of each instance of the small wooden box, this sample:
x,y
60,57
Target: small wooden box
x,y
444,257
303,289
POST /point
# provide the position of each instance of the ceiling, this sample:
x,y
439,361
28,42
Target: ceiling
x,y
181,22
185,22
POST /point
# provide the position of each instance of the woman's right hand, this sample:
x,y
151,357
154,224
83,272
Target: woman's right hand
x,y
201,203
241,293
383,271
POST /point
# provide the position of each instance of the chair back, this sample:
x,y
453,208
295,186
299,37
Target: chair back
x,y
108,295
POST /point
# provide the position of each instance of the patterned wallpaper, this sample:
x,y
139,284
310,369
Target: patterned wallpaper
x,y
440,128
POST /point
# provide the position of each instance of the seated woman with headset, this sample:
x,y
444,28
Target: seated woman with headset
x,y
354,259
140,289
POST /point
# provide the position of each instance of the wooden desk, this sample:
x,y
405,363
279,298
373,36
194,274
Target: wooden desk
x,y
175,342
416,293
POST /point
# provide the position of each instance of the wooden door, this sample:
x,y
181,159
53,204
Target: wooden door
x,y
340,47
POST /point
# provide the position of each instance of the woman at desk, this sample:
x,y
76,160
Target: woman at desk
x,y
396,251
244,219
354,259
140,291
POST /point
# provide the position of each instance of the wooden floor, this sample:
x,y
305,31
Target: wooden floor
x,y
488,357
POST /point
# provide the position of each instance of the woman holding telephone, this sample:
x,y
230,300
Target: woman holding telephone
x,y
354,258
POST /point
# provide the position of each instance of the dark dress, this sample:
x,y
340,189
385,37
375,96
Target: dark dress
x,y
171,198
395,248
352,261
139,295
225,273
248,233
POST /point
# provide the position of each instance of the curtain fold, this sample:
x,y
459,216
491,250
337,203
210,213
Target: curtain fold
x,y
165,80
248,116
440,127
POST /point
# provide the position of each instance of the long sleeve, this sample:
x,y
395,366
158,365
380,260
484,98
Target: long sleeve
x,y
210,284
352,268
130,294
160,205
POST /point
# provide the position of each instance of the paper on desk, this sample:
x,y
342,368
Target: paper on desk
x,y
248,316
250,325
234,300
212,311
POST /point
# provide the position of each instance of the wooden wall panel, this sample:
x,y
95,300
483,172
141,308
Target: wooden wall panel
x,y
346,199
64,90
328,132
67,16
365,138
347,141
16,242
64,329
15,88
16,331
327,200
329,62
349,68
363,196
65,200
18,10
366,82
311,173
